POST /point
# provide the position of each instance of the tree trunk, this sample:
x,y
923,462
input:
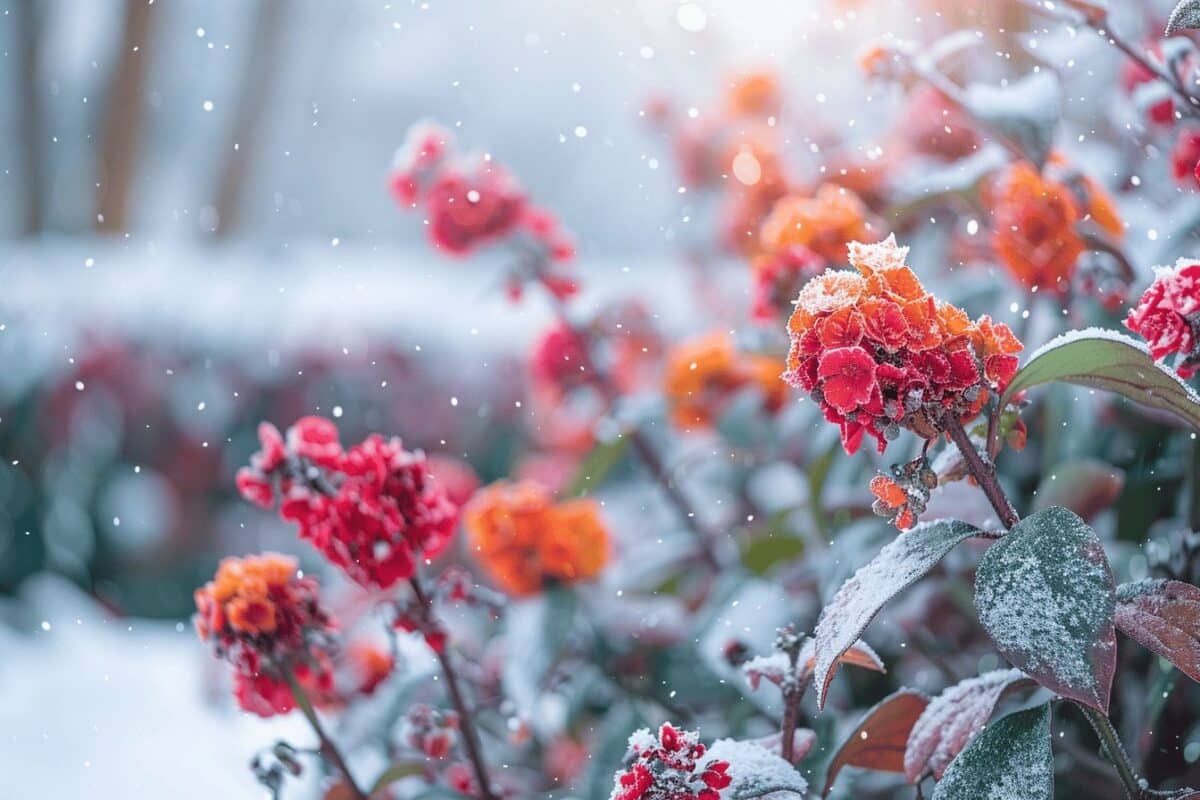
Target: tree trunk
x,y
122,114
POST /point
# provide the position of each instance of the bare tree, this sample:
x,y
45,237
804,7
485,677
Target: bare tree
x,y
29,112
259,73
122,114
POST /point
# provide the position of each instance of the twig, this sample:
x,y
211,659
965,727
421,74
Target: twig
x,y
983,470
1100,723
328,750
469,732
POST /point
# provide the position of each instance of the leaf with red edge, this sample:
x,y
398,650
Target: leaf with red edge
x,y
1045,595
899,564
879,740
1164,617
953,718
859,654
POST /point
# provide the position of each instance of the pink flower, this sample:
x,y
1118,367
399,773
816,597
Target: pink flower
x,y
1166,315
315,438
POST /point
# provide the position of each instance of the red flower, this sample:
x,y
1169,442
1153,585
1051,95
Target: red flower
x,y
1167,314
669,766
1185,156
374,510
848,375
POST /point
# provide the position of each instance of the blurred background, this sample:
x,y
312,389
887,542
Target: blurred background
x,y
196,234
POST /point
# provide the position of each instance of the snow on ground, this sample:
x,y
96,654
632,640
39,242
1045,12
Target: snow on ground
x,y
96,707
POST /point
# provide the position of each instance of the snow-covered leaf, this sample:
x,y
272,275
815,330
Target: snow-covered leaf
x,y
899,564
1010,760
1164,617
1045,594
756,772
952,718
1026,112
1086,486
1186,16
1105,359
879,739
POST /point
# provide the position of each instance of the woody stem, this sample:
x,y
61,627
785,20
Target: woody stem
x,y
328,750
982,470
645,450
1115,751
470,732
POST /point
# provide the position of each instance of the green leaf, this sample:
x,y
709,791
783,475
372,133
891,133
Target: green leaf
x,y
899,565
1010,760
1108,360
596,466
1045,595
394,773
772,546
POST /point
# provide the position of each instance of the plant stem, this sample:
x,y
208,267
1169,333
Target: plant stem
x,y
470,733
982,469
328,750
642,446
1115,751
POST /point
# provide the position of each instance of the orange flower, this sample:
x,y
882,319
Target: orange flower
x,y
754,94
704,373
824,223
1035,221
878,352
247,596
527,542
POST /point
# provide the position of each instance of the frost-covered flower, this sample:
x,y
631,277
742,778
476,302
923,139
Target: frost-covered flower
x,y
527,542
1167,315
670,765
260,615
778,277
703,374
824,223
878,352
1035,220
374,510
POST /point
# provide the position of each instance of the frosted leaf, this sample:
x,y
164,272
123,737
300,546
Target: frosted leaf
x,y
878,256
756,772
899,564
878,741
1026,112
1045,595
1010,760
1164,617
774,667
1105,359
954,716
1186,16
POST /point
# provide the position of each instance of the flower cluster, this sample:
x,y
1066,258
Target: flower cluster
x,y
1035,223
527,542
902,497
670,766
266,620
374,510
703,375
469,200
778,277
824,223
430,731
1167,316
879,353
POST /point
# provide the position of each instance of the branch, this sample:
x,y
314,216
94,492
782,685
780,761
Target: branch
x,y
982,470
328,750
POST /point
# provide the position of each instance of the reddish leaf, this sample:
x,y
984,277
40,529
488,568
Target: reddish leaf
x,y
860,654
952,718
899,564
1164,617
1086,486
879,740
